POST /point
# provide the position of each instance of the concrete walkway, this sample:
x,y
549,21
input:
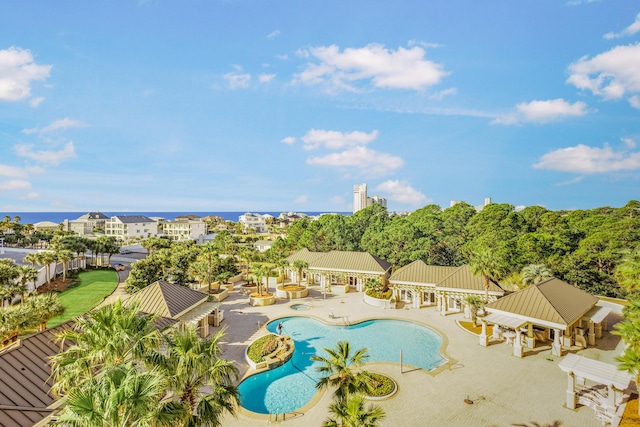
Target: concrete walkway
x,y
505,390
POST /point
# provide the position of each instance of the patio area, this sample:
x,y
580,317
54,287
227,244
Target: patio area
x,y
503,390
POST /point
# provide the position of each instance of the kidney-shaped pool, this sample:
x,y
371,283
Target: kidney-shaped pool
x,y
292,385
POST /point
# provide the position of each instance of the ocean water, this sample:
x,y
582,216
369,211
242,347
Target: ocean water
x,y
58,217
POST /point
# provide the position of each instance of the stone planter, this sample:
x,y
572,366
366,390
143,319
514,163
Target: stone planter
x,y
337,288
291,294
262,301
220,295
376,302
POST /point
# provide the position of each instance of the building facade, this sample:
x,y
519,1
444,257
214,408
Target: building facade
x,y
255,222
361,200
124,227
185,229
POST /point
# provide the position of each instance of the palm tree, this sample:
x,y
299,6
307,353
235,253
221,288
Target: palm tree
x,y
341,370
109,336
8,286
121,396
32,257
197,376
260,271
475,303
64,256
26,274
484,263
533,274
300,265
352,413
627,273
46,258
44,307
208,251
629,331
282,264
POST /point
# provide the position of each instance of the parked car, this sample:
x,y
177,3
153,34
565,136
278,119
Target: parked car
x,y
126,251
117,266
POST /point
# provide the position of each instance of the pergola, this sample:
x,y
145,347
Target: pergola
x,y
605,396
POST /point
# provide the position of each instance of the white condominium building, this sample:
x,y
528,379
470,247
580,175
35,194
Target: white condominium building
x,y
255,222
185,229
126,227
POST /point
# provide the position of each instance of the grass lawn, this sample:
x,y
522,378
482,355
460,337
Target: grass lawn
x,y
94,286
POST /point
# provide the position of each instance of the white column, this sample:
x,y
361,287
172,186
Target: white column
x,y
517,344
556,348
416,298
445,305
571,391
611,399
592,335
484,339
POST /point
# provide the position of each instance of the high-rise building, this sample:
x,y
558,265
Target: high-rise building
x,y
361,200
359,197
377,199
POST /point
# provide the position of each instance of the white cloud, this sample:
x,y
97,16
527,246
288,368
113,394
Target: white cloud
x,y
444,93
238,80
575,180
629,31
629,142
334,140
402,192
542,112
56,125
273,34
17,71
384,68
35,102
634,101
16,172
266,78
587,160
47,157
369,162
14,185
300,200
30,196
611,74
288,140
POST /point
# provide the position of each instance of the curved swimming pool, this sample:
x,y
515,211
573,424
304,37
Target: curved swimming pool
x,y
292,385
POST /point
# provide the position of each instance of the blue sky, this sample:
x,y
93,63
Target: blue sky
x,y
284,105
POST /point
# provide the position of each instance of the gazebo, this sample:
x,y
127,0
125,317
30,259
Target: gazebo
x,y
606,390
550,309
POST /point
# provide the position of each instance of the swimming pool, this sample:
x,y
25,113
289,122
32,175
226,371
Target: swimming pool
x,y
292,385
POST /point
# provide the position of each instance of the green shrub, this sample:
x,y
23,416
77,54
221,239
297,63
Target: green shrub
x,y
386,294
381,385
257,349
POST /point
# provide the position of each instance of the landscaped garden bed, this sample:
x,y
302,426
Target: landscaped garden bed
x,y
270,351
383,387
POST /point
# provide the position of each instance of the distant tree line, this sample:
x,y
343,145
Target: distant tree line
x,y
587,248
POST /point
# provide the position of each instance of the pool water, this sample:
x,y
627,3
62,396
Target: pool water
x,y
299,307
292,385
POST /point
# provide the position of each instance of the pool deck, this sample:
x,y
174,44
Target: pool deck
x,y
505,390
